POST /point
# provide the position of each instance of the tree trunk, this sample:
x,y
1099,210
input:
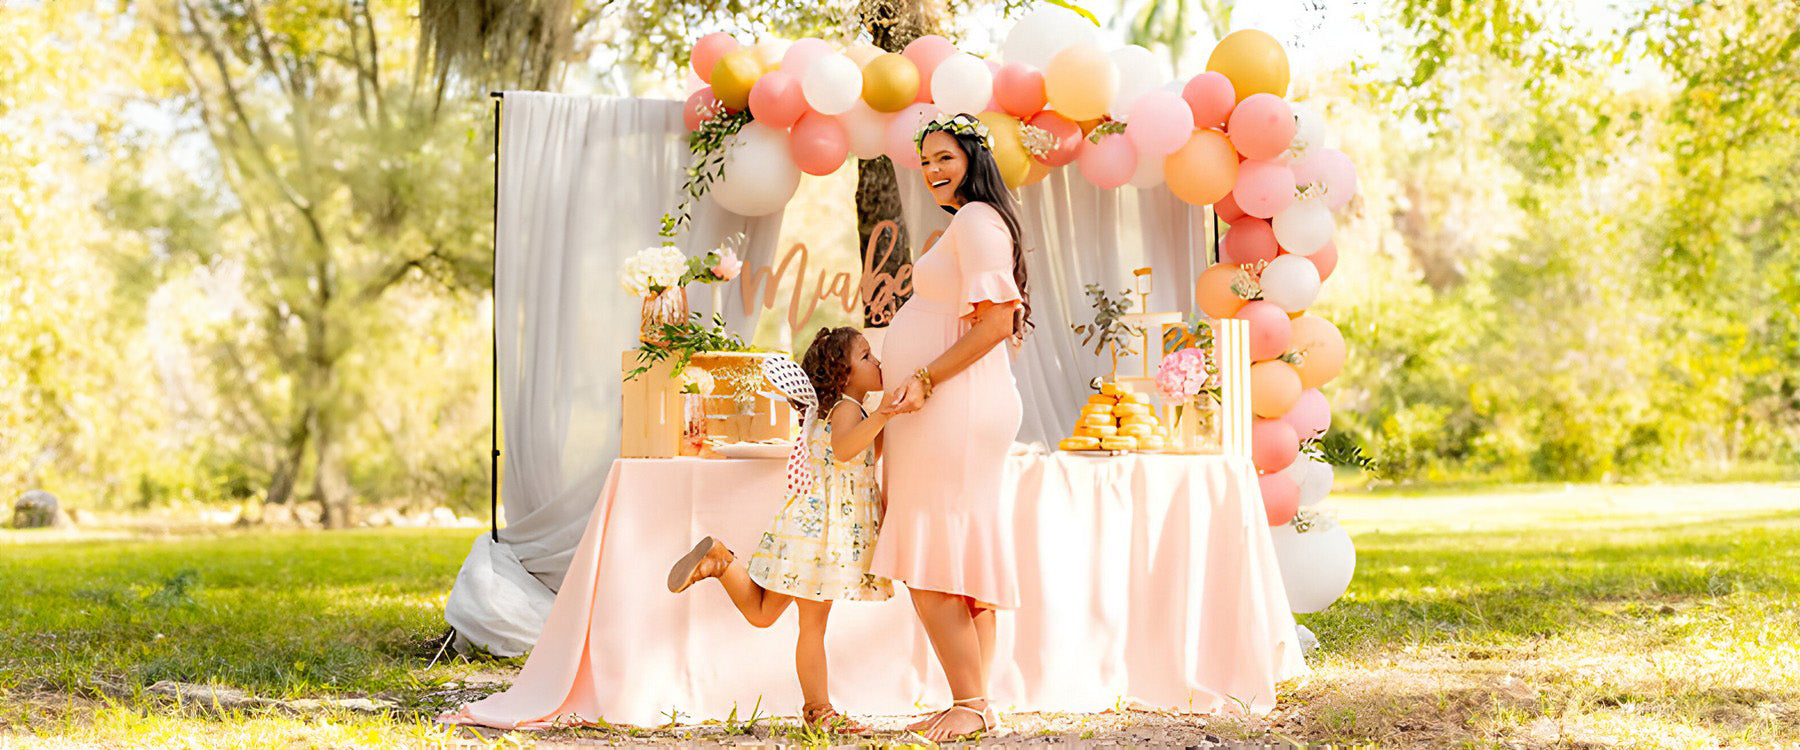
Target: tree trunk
x,y
331,485
287,468
892,24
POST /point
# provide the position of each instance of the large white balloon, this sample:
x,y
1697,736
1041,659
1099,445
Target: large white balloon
x,y
1316,567
867,130
962,83
1044,32
832,84
1139,72
1291,282
1315,482
1304,227
759,174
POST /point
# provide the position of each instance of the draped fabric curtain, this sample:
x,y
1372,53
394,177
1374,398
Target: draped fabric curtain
x,y
582,183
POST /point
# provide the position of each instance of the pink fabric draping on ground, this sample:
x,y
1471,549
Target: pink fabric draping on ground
x,y
1147,578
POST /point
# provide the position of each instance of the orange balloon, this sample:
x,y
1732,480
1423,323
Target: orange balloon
x,y
1253,61
733,75
1203,171
1274,388
1321,347
1296,314
1213,291
1039,171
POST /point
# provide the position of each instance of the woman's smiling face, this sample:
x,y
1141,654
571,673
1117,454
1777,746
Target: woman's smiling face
x,y
942,160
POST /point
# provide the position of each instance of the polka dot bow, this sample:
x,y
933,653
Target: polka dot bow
x,y
791,383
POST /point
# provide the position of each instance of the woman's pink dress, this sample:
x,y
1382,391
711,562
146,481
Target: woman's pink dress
x,y
944,463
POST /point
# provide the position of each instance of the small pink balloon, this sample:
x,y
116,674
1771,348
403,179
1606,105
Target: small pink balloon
x,y
1019,89
1228,210
1067,133
1273,445
818,144
776,99
1247,241
1160,123
925,53
707,51
699,102
1262,126
1326,259
1270,329
1281,497
1263,188
1311,415
1211,98
801,54
1109,163
900,129
1340,177
993,103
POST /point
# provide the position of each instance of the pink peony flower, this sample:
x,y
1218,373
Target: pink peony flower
x,y
1182,375
728,266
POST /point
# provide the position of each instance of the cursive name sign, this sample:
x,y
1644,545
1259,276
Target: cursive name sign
x,y
879,291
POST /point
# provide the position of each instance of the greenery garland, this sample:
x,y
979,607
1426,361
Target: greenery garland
x,y
708,145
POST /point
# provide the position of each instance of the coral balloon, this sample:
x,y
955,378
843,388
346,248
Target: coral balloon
x,y
707,51
1321,349
1019,90
1068,137
759,175
1274,388
1108,164
1291,282
776,100
1281,497
1262,126
962,83
1248,241
832,84
890,83
1304,227
1270,329
926,53
867,130
1228,210
1212,291
1160,123
819,144
802,53
1211,98
1263,188
1273,445
1253,61
698,105
1311,414
733,75
1009,150
899,145
1325,260
1203,170
1081,82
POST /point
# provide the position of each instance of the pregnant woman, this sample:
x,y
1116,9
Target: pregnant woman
x,y
957,411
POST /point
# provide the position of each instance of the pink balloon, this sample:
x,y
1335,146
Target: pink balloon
x,y
1262,126
1211,98
1340,177
691,114
1019,89
1281,497
1109,163
925,53
1311,415
1326,259
1067,133
1273,445
707,51
776,99
802,53
1160,123
1263,188
1270,329
1247,241
1228,210
900,129
818,143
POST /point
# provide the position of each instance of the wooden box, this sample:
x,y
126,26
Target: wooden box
x,y
654,413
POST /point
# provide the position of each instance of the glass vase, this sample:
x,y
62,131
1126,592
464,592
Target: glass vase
x,y
693,425
669,306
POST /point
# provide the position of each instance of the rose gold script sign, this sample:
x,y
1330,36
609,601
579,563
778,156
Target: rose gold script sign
x,y
880,291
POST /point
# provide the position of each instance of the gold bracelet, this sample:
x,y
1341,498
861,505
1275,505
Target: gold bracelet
x,y
924,376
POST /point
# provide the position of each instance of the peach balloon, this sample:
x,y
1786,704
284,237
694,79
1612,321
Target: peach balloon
x,y
818,143
1270,329
1019,90
1203,170
1273,444
776,101
1262,126
1274,388
1068,137
1081,81
890,83
926,53
1326,259
1248,241
1321,348
1212,291
1254,62
707,52
733,75
1109,163
1211,98
1281,497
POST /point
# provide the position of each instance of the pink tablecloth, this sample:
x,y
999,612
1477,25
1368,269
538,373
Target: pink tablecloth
x,y
1147,578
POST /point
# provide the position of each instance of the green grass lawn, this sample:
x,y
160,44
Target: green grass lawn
x,y
1575,617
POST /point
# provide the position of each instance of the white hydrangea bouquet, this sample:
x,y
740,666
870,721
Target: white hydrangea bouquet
x,y
652,270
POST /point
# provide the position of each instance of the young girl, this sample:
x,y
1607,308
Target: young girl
x,y
817,549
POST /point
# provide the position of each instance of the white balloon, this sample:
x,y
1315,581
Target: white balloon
x,y
759,174
1304,227
1044,32
1149,173
1291,282
1309,128
1139,72
1316,567
832,84
866,129
1315,481
962,83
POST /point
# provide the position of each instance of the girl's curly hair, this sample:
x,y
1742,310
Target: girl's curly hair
x,y
827,364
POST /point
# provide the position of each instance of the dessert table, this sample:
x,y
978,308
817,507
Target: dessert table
x,y
1144,578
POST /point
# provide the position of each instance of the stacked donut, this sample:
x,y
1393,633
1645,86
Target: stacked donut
x,y
1117,419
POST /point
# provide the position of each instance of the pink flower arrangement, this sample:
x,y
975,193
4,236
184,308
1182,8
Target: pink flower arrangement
x,y
1182,375
728,266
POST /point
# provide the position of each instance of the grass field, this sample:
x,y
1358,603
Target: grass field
x,y
1555,617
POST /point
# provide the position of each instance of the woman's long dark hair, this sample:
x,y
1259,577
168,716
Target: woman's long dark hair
x,y
982,182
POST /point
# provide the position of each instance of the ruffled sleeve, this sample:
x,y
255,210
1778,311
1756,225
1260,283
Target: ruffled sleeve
x,y
984,257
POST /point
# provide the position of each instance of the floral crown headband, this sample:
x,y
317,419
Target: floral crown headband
x,y
960,124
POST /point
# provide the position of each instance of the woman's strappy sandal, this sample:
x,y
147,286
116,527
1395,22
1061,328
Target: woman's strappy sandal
x,y
708,559
827,718
988,719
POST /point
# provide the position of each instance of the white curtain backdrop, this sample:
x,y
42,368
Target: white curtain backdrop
x,y
582,184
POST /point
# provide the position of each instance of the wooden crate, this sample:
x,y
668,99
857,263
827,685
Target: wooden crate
x,y
653,418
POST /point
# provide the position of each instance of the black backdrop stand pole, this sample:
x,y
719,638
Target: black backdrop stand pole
x,y
494,432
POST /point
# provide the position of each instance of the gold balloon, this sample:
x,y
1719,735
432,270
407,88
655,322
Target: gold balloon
x,y
1253,61
1009,148
890,83
733,75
